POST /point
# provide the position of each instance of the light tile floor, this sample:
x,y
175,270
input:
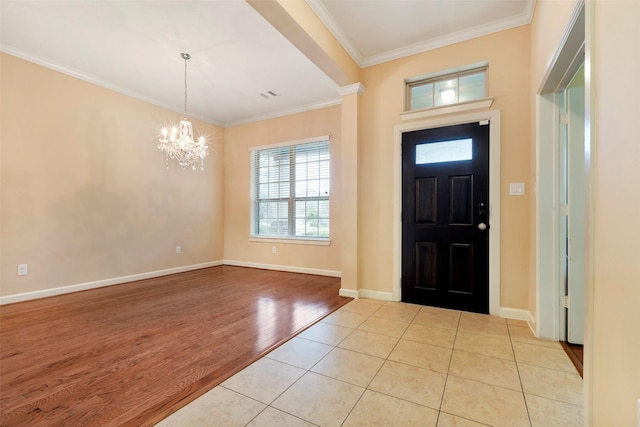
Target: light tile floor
x,y
375,363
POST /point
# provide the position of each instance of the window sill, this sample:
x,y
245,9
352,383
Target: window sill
x,y
291,241
447,109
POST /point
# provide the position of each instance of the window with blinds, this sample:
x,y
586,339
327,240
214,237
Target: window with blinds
x,y
290,191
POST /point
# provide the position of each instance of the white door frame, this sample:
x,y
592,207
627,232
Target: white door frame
x,y
549,315
494,196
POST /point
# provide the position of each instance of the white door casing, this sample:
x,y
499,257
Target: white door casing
x,y
494,197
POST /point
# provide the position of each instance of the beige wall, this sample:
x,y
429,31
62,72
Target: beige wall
x,y
85,194
549,23
613,352
238,141
508,55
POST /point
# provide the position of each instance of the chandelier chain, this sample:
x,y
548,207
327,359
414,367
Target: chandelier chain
x,y
185,84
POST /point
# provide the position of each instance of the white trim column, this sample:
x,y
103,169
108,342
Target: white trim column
x,y
349,191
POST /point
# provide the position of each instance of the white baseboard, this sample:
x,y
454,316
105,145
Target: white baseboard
x,y
101,283
366,293
519,314
514,313
291,269
383,296
348,293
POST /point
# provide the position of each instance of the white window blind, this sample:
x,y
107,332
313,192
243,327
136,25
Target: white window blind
x,y
290,191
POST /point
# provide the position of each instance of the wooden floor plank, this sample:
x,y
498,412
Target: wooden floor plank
x,y
131,354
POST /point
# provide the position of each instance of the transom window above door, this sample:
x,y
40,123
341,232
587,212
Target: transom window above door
x,y
446,88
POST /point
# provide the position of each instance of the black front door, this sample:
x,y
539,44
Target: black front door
x,y
445,214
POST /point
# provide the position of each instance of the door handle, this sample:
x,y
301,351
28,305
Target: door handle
x,y
482,226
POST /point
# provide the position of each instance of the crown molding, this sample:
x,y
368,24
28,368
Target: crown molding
x,y
327,19
320,10
352,88
288,112
453,38
90,79
93,80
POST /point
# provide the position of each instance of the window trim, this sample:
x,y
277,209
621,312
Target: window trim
x,y
314,241
308,240
447,109
290,143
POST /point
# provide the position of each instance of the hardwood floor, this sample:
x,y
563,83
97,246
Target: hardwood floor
x,y
131,354
575,353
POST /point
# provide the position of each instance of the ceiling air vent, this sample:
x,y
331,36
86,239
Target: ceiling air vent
x,y
268,95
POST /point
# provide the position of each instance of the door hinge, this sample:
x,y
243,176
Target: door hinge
x,y
564,210
564,118
483,122
564,301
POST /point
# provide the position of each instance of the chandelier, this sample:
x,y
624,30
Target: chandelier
x,y
178,144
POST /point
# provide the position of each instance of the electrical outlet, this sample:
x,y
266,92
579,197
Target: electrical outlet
x,y
23,269
273,249
178,249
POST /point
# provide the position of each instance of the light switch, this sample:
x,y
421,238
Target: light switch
x,y
516,189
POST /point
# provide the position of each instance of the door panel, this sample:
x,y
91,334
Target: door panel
x,y
426,190
426,265
461,200
461,268
445,195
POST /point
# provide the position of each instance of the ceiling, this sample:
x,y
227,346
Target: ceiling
x,y
134,47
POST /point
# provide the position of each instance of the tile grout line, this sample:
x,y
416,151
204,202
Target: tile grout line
x,y
446,379
524,397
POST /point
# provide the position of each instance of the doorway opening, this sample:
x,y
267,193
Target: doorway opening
x,y
573,210
561,208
